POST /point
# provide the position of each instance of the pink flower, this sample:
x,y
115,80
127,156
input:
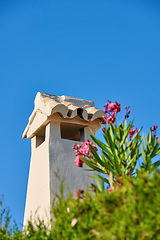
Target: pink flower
x,y
132,132
154,128
106,105
79,194
78,162
118,109
112,106
112,109
110,189
127,112
111,119
86,149
155,136
82,150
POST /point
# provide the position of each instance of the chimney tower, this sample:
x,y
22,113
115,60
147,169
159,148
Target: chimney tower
x,y
56,123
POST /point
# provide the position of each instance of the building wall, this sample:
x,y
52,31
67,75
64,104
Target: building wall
x,y
38,191
62,158
50,158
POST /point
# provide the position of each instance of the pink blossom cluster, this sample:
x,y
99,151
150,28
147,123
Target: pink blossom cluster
x,y
79,194
112,109
132,131
154,128
82,150
110,189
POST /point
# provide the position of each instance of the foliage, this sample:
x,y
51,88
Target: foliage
x,y
130,212
122,149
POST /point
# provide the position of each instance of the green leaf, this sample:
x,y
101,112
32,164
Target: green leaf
x,y
133,138
112,131
95,154
108,166
95,187
92,165
149,164
98,183
143,137
103,146
120,132
103,179
124,125
111,142
156,164
109,157
152,141
149,137
97,158
126,133
117,166
154,151
111,179
131,165
143,154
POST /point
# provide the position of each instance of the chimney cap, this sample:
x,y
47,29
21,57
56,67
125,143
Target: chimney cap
x,y
66,107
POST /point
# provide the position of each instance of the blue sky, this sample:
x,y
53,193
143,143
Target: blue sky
x,y
90,49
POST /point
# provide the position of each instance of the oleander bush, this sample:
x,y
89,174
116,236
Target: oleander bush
x,y
125,151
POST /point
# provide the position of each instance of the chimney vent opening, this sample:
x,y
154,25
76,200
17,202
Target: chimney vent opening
x,y
40,137
72,132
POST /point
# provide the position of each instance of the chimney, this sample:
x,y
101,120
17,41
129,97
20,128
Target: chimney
x,y
56,123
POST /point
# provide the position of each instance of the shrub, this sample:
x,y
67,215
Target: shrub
x,y
132,211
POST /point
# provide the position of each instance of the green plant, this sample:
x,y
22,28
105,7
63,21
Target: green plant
x,y
122,149
130,212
